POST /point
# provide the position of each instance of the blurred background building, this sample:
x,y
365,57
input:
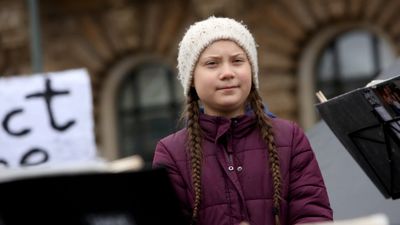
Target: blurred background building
x,y
130,50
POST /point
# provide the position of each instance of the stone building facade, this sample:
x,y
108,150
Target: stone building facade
x,y
112,37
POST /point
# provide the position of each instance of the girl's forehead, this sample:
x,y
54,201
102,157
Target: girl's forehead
x,y
223,43
221,46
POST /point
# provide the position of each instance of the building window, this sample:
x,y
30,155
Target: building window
x,y
350,61
148,107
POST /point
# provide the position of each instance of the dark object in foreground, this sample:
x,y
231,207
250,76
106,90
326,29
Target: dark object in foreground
x,y
101,198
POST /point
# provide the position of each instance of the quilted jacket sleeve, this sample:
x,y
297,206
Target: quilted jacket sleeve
x,y
164,158
308,198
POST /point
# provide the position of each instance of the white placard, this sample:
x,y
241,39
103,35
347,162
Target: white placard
x,y
46,119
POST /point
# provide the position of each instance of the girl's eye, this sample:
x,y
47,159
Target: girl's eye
x,y
211,63
238,60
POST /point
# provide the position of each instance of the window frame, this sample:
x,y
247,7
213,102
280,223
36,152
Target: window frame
x,y
107,140
140,111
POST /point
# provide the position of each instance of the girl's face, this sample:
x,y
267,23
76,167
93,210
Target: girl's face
x,y
222,79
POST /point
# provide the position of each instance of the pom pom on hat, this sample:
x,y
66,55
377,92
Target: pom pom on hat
x,y
202,34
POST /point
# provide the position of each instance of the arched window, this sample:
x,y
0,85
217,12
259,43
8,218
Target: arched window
x,y
148,107
350,61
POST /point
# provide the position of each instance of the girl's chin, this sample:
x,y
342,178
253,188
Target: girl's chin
x,y
230,102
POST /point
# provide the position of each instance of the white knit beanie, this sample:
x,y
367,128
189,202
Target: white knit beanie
x,y
202,34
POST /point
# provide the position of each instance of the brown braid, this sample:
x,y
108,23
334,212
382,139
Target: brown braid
x,y
192,113
264,124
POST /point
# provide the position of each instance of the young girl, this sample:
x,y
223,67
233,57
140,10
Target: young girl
x,y
233,162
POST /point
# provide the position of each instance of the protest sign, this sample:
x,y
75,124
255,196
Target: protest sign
x,y
46,119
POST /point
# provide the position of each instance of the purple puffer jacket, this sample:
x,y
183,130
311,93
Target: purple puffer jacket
x,y
236,178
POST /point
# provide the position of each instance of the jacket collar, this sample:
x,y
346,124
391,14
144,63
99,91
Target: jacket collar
x,y
215,127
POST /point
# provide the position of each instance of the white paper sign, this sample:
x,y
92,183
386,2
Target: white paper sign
x,y
46,119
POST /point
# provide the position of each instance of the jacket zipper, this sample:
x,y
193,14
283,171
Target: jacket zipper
x,y
231,168
230,161
229,153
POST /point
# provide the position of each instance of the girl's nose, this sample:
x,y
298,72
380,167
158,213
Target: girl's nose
x,y
227,71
